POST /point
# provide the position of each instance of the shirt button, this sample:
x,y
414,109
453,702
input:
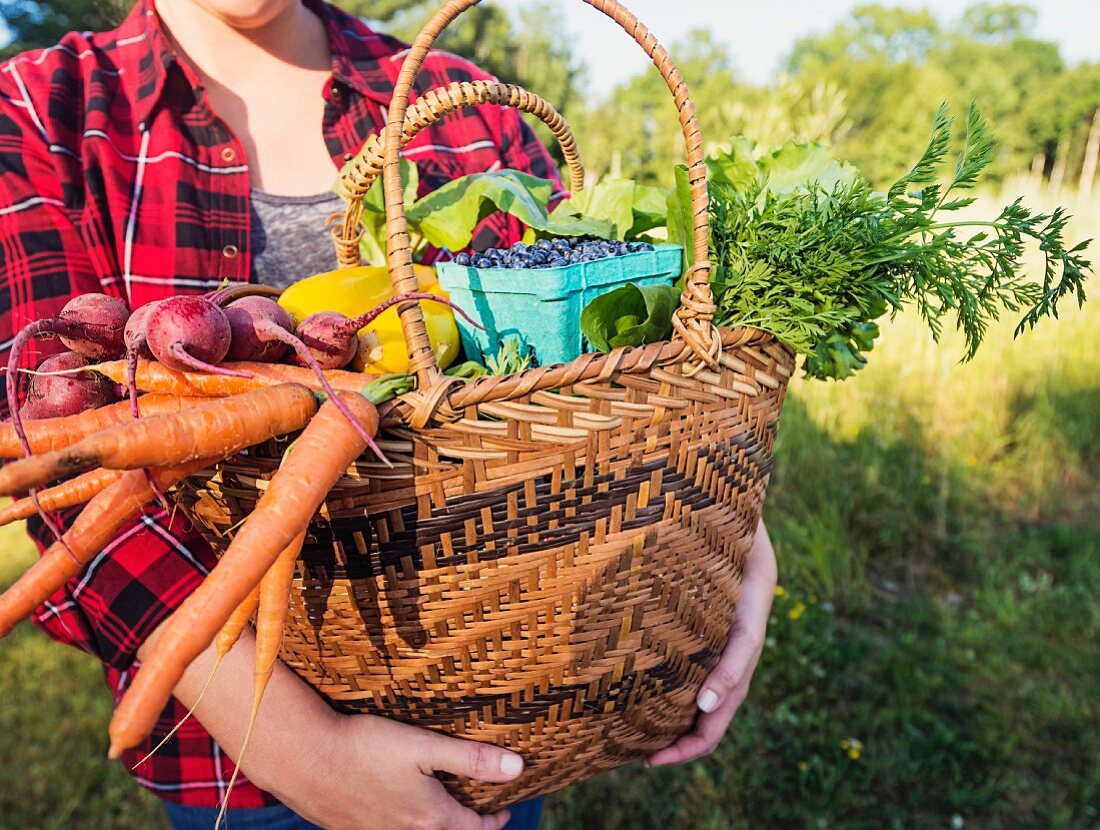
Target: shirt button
x,y
230,251
228,154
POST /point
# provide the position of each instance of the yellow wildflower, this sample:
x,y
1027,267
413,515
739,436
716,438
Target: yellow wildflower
x,y
797,610
853,747
803,766
780,591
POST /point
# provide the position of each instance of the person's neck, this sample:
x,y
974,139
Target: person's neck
x,y
220,52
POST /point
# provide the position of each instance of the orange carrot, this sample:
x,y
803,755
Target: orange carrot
x,y
274,596
231,631
56,433
227,638
213,429
91,532
158,378
316,462
75,491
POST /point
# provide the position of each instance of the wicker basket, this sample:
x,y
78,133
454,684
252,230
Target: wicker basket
x,y
553,562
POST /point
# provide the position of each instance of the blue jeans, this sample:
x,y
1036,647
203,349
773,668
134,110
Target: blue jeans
x,y
525,816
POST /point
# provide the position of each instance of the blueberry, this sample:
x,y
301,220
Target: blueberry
x,y
483,262
462,259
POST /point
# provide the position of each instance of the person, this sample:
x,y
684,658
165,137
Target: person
x,y
180,150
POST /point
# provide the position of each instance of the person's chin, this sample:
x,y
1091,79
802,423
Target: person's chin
x,y
245,14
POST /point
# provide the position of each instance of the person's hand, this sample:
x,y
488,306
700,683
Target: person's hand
x,y
372,772
728,685
342,772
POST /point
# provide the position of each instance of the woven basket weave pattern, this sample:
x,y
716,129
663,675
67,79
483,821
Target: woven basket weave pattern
x,y
554,561
558,575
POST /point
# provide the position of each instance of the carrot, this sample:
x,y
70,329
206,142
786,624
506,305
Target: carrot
x,y
226,639
56,433
213,429
158,378
231,631
67,494
318,459
274,596
91,532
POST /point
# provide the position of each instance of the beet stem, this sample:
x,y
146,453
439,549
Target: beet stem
x,y
181,354
270,330
131,379
369,317
53,327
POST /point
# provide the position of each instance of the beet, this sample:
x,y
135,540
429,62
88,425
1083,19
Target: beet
x,y
97,323
331,336
259,324
249,319
89,324
190,333
133,336
55,396
137,346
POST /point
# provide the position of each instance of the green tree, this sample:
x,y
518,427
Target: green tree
x,y
894,66
636,131
35,23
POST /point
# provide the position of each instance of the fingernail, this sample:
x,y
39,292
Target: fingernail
x,y
708,701
511,764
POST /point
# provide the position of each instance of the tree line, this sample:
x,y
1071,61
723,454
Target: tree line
x,y
868,86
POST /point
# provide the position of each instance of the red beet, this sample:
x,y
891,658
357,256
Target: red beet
x,y
331,336
89,324
97,322
250,319
56,396
189,333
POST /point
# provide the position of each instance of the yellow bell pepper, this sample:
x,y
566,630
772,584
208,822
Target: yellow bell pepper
x,y
355,291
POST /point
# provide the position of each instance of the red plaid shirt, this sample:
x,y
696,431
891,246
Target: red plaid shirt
x,y
116,176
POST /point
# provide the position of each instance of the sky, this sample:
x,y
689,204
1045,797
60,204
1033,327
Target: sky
x,y
761,33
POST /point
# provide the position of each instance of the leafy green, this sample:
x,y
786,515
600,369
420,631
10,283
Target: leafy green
x,y
447,217
804,248
514,355
467,371
630,315
624,209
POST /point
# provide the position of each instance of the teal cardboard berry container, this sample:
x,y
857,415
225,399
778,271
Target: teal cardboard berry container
x,y
542,306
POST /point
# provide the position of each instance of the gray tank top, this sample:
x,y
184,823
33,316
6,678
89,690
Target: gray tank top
x,y
289,238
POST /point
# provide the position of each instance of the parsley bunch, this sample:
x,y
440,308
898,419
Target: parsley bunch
x,y
803,247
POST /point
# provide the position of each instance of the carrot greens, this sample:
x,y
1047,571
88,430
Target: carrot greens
x,y
805,248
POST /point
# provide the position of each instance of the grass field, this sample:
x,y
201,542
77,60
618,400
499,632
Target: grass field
x,y
932,661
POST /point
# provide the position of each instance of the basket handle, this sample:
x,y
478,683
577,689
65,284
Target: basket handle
x,y
362,170
692,321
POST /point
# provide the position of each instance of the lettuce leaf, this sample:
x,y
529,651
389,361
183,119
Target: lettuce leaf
x,y
630,315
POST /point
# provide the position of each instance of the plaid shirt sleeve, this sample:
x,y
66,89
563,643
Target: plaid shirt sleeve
x,y
154,564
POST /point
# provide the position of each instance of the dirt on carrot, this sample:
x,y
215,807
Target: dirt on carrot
x,y
213,429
